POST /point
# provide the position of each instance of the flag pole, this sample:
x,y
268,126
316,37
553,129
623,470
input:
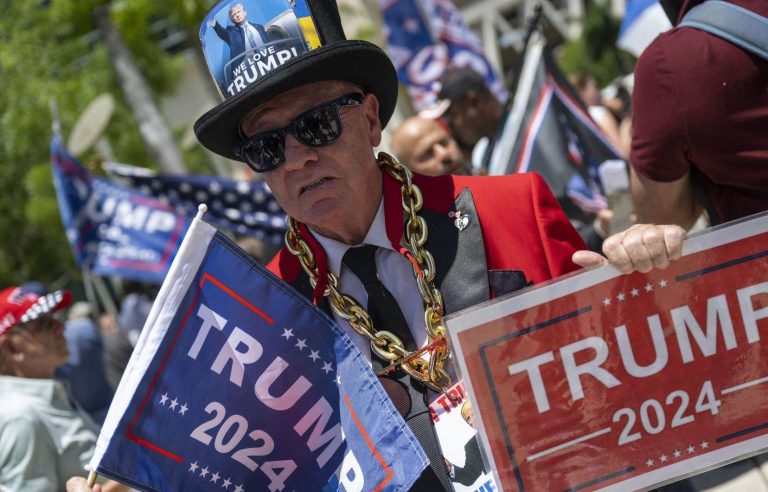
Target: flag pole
x,y
92,476
532,24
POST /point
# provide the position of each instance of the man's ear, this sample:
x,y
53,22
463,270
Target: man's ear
x,y
371,107
8,349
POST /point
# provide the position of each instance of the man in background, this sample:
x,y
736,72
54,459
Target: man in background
x,y
85,372
700,125
43,438
427,148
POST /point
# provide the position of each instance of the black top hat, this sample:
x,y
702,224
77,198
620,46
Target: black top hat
x,y
258,49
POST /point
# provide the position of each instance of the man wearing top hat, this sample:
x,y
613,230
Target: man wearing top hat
x,y
358,226
385,253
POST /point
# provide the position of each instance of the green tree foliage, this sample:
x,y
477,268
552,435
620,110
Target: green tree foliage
x,y
50,51
594,52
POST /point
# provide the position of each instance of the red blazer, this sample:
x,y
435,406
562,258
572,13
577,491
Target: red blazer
x,y
516,235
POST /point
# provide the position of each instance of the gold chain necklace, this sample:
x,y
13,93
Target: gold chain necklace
x,y
384,343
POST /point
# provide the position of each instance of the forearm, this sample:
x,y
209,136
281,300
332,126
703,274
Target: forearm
x,y
671,202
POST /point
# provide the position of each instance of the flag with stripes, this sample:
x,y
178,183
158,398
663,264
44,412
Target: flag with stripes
x,y
243,207
112,229
424,38
239,383
548,130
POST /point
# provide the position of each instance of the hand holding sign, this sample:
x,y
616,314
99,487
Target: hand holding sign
x,y
639,248
625,381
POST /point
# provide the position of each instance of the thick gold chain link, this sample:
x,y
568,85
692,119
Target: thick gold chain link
x,y
384,343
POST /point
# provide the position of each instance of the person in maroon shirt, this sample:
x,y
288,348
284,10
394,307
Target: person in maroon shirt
x,y
700,115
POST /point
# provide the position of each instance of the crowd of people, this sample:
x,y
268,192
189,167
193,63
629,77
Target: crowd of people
x,y
698,143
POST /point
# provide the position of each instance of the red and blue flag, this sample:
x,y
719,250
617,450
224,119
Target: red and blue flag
x,y
238,382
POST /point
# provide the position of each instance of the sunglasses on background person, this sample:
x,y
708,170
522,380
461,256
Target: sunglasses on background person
x,y
317,127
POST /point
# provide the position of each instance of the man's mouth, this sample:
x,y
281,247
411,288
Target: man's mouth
x,y
313,185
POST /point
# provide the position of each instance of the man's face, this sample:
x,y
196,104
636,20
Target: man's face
x,y
469,416
473,116
37,348
334,189
237,14
428,149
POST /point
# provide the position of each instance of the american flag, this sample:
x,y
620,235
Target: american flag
x,y
426,37
243,207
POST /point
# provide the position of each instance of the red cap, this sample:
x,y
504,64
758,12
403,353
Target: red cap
x,y
18,305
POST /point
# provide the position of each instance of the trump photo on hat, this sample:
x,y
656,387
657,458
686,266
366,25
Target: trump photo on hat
x,y
257,49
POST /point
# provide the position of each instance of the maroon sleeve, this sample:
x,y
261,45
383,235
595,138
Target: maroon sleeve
x,y
660,139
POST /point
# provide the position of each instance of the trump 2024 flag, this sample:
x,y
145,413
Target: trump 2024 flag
x,y
238,383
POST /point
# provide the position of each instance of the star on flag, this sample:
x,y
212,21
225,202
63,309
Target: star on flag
x,y
314,355
193,467
174,403
327,367
287,333
164,399
183,409
648,287
301,344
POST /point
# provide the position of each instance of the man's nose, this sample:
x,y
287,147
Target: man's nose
x,y
441,153
298,154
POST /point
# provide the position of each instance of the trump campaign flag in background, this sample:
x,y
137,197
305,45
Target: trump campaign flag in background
x,y
112,229
424,38
244,207
239,383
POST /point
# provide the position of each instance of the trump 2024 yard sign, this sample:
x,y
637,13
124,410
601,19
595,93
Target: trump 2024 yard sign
x,y
610,381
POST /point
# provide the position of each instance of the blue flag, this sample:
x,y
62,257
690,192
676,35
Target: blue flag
x,y
239,383
244,207
114,230
424,38
642,22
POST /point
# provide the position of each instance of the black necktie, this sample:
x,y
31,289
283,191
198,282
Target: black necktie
x,y
382,306
409,396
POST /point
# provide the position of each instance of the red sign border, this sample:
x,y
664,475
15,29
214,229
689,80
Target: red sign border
x,y
555,289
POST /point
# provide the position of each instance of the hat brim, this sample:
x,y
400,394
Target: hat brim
x,y
55,301
358,62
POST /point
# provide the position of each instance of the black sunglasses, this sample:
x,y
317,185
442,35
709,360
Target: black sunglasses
x,y
317,127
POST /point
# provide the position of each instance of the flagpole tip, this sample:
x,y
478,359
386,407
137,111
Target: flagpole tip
x,y
201,209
